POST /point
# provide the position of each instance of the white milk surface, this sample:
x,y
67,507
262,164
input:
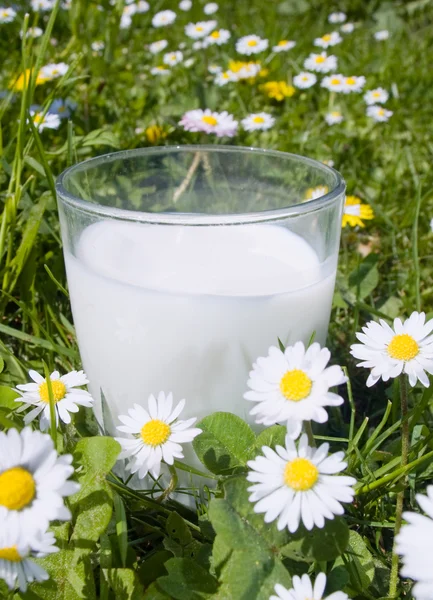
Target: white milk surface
x,y
188,309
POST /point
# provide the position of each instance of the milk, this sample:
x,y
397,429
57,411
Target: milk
x,y
189,309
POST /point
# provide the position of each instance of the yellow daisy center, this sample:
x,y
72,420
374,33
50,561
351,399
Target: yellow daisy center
x,y
335,113
320,59
252,43
11,554
4,14
295,385
209,120
304,77
155,432
381,112
38,118
335,81
215,35
403,347
300,474
350,81
59,391
17,488
258,120
199,28
376,94
326,38
282,43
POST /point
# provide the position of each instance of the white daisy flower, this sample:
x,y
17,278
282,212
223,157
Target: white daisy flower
x,y
214,69
329,39
42,4
284,46
218,37
33,32
7,15
405,348
297,485
210,8
353,84
130,10
304,80
347,27
185,5
381,35
17,548
156,47
125,21
258,121
316,192
321,63
251,44
337,17
378,113
413,543
225,77
33,479
198,45
142,6
199,30
155,435
333,83
303,589
97,46
189,62
160,70
248,70
376,96
334,117
221,124
163,18
53,70
48,121
293,386
172,58
66,397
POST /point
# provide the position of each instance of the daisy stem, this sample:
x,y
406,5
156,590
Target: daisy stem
x,y
309,432
171,486
393,582
53,424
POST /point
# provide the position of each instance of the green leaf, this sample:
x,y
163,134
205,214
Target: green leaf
x,y
271,436
124,583
153,593
121,527
186,580
360,564
225,444
327,543
7,397
154,567
365,278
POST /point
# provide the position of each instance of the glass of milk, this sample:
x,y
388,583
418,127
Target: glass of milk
x,y
186,263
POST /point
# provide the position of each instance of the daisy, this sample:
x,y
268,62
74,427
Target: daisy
x,y
220,124
333,83
304,80
381,35
42,4
199,30
53,70
97,46
251,44
156,47
163,18
224,77
33,479
189,62
355,212
218,37
376,96
210,8
142,6
316,192
293,386
284,46
347,27
277,90
329,39
299,484
405,348
214,69
172,58
33,32
155,434
303,589
185,5
47,121
413,543
322,63
62,108
16,551
262,121
67,399
244,70
334,117
337,17
378,113
160,70
125,21
7,14
353,84
198,46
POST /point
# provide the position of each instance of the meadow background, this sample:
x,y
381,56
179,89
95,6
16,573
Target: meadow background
x,y
113,99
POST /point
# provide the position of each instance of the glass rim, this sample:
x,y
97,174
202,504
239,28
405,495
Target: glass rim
x,y
179,218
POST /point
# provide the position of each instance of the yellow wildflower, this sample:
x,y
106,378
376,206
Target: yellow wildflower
x,y
154,133
278,90
24,78
355,212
